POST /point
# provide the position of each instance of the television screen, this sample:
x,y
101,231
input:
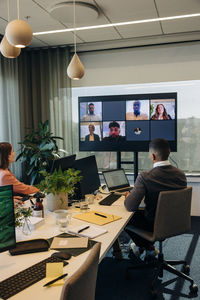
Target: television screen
x,y
127,122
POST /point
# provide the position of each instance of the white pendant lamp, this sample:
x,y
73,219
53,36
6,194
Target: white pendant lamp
x,y
75,69
19,32
7,50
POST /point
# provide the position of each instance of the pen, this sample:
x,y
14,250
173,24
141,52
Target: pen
x,y
100,215
83,229
56,279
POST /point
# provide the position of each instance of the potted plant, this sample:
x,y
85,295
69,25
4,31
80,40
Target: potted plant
x,y
57,186
37,152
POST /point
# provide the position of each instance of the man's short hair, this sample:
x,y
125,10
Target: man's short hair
x,y
90,104
114,124
160,147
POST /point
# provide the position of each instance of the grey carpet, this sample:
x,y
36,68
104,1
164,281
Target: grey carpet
x,y
112,283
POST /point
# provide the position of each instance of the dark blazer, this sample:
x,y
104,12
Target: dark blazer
x,y
150,184
96,138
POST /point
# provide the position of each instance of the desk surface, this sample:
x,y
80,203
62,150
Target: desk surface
x,y
10,265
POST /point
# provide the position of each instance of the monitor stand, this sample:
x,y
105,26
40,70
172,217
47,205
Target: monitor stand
x,y
135,163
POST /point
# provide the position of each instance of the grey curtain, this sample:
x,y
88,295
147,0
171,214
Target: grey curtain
x,y
9,106
34,88
45,92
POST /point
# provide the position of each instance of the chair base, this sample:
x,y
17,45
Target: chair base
x,y
160,265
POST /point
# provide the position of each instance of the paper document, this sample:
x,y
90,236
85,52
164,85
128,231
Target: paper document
x,y
54,270
65,243
91,232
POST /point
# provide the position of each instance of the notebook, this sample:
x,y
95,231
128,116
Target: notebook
x,y
116,180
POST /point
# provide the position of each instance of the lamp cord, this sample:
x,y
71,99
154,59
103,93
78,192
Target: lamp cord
x,y
74,15
8,4
18,9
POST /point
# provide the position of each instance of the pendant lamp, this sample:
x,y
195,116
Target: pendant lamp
x,y
75,69
7,50
19,32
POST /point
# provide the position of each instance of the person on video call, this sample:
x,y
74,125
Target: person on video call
x,y
136,114
162,177
7,156
92,137
91,116
114,133
161,113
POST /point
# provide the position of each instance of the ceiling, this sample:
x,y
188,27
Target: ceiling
x,y
45,15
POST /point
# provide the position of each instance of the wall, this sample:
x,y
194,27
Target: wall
x,y
141,65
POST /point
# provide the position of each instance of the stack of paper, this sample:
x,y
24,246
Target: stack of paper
x,y
91,231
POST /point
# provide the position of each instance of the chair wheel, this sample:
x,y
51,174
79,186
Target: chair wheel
x,y
154,294
186,269
193,288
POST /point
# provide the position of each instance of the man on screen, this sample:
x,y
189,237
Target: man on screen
x,y
162,177
114,133
136,114
91,116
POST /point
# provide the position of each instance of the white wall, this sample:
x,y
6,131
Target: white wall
x,y
141,65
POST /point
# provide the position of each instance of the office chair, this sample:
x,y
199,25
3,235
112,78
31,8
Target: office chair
x,y
81,285
172,218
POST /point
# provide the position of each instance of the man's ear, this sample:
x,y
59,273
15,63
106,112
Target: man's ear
x,y
152,156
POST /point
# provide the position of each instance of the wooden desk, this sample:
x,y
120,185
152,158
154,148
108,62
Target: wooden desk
x,y
10,265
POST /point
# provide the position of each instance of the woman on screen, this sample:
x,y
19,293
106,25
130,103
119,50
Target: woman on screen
x,y
161,113
92,137
7,156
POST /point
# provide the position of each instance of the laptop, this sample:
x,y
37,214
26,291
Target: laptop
x,y
116,181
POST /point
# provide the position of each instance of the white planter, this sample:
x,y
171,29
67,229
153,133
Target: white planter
x,y
59,201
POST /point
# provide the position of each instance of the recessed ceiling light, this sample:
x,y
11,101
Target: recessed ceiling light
x,y
118,24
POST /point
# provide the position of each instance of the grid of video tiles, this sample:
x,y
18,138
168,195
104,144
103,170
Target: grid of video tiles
x,y
127,120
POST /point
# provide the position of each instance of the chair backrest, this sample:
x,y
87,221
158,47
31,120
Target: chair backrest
x,y
173,213
81,285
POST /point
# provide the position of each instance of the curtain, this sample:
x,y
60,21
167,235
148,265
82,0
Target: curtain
x,y
9,106
35,88
45,92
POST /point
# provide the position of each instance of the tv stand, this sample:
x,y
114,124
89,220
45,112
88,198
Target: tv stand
x,y
135,162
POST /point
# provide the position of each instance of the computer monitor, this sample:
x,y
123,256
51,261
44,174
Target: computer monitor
x,y
64,162
7,218
90,181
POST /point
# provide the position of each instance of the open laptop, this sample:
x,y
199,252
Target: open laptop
x,y
116,181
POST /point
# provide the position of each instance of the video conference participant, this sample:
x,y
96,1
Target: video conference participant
x,y
91,116
162,177
7,156
114,133
136,114
92,137
161,113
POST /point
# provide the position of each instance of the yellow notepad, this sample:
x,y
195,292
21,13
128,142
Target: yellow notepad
x,y
54,270
91,217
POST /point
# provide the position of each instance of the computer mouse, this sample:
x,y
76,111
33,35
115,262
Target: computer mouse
x,y
62,255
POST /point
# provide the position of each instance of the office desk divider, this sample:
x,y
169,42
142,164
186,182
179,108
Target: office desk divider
x,y
73,251
97,217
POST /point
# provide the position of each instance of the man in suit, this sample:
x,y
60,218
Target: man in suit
x,y
92,137
162,177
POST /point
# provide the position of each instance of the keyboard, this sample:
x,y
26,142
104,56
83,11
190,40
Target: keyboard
x,y
20,281
110,199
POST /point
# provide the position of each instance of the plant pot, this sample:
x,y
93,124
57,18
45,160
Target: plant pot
x,y
59,201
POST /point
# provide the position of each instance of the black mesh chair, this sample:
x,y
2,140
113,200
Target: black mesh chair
x,y
172,218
